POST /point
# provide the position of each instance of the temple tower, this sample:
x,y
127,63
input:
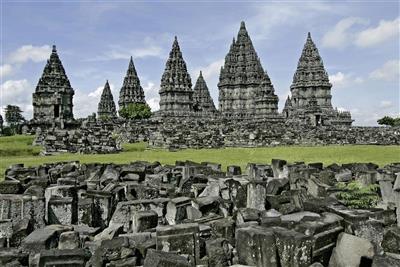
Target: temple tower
x,y
106,107
176,94
310,99
245,89
202,101
131,91
52,99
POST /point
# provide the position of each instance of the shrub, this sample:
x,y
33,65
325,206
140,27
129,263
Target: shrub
x,y
355,195
135,111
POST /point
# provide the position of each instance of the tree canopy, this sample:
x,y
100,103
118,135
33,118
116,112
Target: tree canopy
x,y
135,111
389,121
13,115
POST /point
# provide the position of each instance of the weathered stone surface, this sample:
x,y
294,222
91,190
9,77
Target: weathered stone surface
x,y
181,237
391,240
256,246
44,238
144,220
164,259
349,250
69,240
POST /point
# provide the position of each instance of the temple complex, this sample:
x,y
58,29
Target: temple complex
x,y
52,99
310,100
202,101
245,90
176,94
131,91
106,107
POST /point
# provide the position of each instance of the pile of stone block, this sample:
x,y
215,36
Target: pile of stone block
x,y
196,214
85,140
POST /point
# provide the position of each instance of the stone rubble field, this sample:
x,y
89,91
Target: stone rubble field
x,y
195,214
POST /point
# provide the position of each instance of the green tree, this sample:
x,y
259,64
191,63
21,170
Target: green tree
x,y
14,117
135,111
388,121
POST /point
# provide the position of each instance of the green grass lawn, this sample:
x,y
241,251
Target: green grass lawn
x,y
17,149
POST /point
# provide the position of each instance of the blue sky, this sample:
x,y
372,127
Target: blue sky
x,y
358,41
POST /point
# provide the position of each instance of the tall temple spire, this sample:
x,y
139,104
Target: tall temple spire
x,y
244,87
311,91
131,91
53,94
106,107
202,101
176,85
311,73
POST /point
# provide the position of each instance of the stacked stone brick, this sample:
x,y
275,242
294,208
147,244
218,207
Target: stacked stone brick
x,y
195,214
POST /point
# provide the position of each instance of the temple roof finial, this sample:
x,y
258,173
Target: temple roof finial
x,y
201,74
54,49
242,25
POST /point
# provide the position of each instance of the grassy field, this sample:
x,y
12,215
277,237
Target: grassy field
x,y
17,149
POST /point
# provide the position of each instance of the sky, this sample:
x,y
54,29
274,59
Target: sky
x,y
357,40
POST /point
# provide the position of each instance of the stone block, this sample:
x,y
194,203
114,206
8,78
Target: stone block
x,y
156,258
66,257
349,250
144,220
10,187
256,195
177,210
181,237
391,240
294,248
256,246
69,240
44,238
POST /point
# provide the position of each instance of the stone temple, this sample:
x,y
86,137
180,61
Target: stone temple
x,y
52,99
106,107
202,101
176,94
245,89
131,91
310,100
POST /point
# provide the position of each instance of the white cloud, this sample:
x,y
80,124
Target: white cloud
x,y
340,36
379,34
149,48
154,103
152,98
17,92
30,52
343,80
5,70
386,104
390,71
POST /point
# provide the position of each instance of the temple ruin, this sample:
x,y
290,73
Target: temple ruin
x,y
131,91
310,100
52,99
176,94
106,107
245,89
